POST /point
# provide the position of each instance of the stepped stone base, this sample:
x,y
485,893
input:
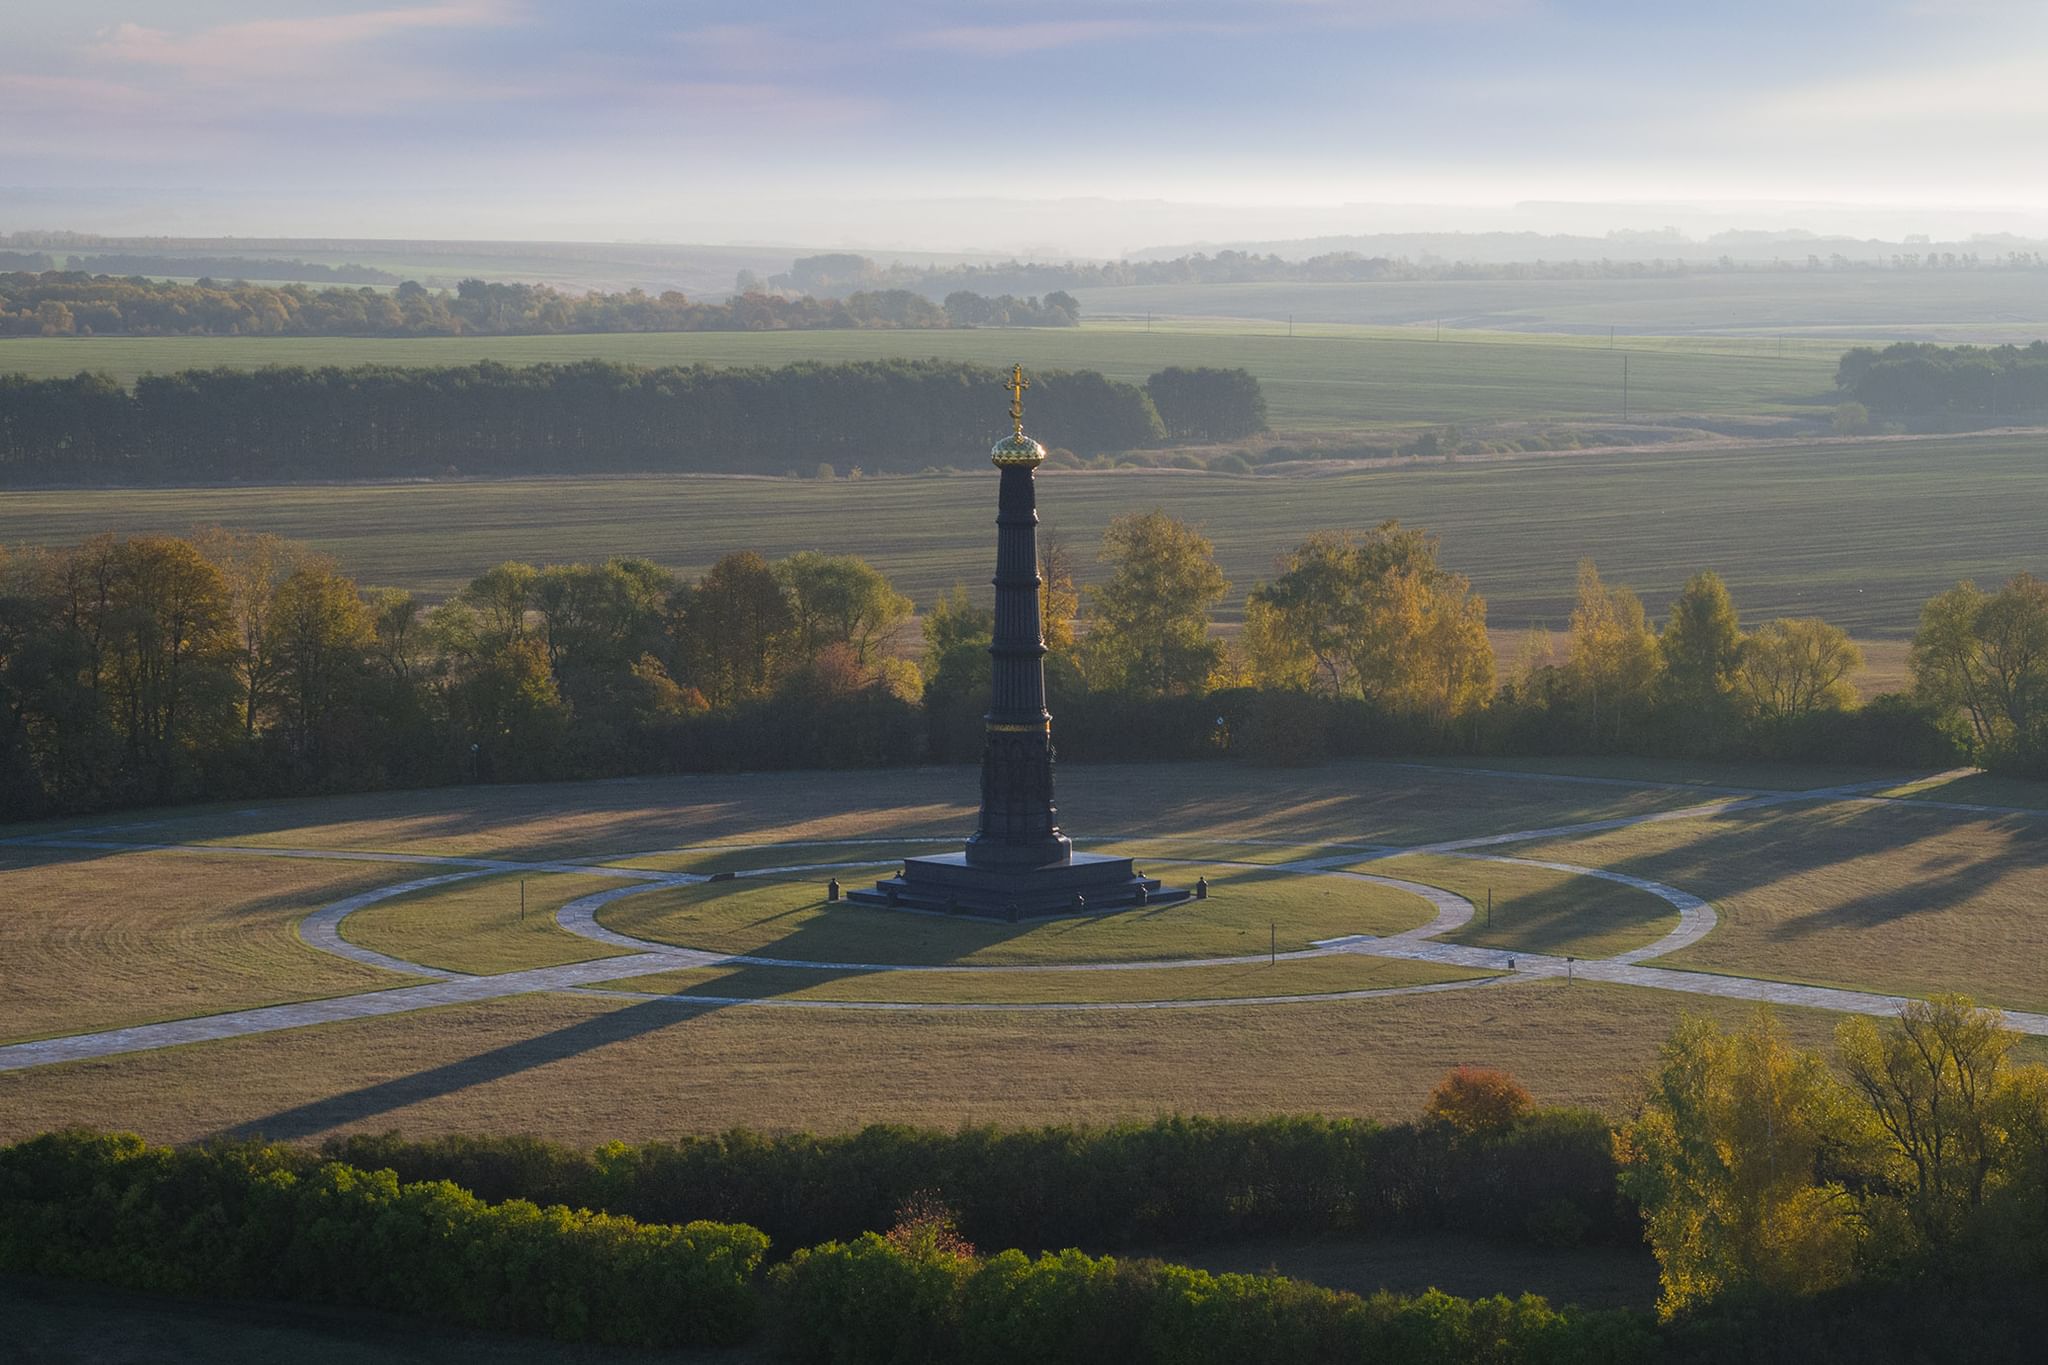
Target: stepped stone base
x,y
1083,884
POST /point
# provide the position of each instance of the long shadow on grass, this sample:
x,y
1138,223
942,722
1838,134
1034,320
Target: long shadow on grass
x,y
819,938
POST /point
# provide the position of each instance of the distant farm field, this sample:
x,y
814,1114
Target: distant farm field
x,y
1861,533
1326,380
1951,305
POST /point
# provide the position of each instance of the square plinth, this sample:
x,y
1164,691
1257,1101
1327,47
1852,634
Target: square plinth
x,y
1083,884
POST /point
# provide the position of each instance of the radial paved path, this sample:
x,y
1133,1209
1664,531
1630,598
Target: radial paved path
x,y
321,930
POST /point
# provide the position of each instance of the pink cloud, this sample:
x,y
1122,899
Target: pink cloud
x,y
271,46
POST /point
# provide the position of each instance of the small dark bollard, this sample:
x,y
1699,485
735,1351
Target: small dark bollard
x,y
1201,888
1144,896
1015,913
832,890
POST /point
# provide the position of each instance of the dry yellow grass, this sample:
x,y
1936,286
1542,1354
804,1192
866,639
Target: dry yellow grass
x,y
1884,896
1303,976
104,940
1245,913
1538,910
587,1070
476,926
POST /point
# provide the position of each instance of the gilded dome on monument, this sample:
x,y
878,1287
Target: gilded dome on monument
x,y
1017,450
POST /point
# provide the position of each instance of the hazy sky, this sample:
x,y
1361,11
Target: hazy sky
x,y
829,122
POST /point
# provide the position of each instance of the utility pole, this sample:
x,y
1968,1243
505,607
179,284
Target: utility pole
x,y
1624,386
1290,326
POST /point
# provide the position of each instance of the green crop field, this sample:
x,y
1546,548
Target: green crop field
x,y
1999,305
1858,532
1899,895
1327,380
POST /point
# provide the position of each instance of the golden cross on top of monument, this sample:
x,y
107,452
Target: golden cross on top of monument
x,y
1018,383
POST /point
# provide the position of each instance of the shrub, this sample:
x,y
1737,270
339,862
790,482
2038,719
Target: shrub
x,y
270,1222
849,1304
1474,1099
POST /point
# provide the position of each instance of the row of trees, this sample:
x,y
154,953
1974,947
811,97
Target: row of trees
x,y
1916,378
282,424
219,267
1541,258
160,668
73,303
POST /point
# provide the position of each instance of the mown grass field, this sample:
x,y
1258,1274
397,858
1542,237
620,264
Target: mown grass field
x,y
1890,896
588,1070
1251,911
99,940
1899,896
1806,306
1861,532
1329,379
480,926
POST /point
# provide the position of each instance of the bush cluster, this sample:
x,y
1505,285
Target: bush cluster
x,y
869,1301
1547,1177
272,1223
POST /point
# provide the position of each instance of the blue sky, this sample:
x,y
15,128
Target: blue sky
x,y
821,122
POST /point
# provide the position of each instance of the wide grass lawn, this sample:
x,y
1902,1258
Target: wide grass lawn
x,y
1539,909
1337,379
1887,896
1861,533
107,939
1286,977
1248,911
588,1069
478,926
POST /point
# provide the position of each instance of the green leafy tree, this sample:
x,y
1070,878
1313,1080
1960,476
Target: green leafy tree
x,y
318,641
1985,656
955,620
1726,1156
1796,666
842,599
1612,665
1148,623
1701,643
738,631
1940,1085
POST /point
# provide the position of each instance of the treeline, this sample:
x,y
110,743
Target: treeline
x,y
229,267
73,303
161,669
1917,379
839,273
284,424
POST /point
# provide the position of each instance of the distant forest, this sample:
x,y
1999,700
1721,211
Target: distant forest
x,y
828,276
1915,379
289,424
64,303
219,267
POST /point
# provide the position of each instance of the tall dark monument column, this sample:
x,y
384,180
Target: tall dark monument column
x,y
1017,863
1018,826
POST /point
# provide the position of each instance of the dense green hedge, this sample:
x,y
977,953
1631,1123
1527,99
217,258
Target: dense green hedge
x,y
267,1222
1180,1180
867,1301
